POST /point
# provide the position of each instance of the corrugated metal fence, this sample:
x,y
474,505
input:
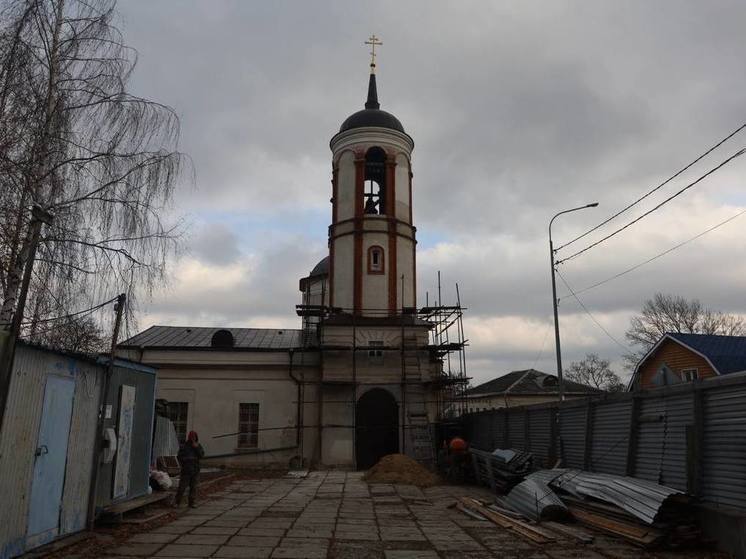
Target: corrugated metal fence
x,y
689,436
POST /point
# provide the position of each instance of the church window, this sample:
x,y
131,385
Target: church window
x,y
222,338
248,425
375,181
375,352
375,260
178,412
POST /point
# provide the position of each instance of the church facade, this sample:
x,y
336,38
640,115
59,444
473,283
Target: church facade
x,y
363,377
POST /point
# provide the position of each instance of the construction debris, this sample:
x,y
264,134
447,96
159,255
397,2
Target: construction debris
x,y
639,511
502,468
535,500
642,499
531,532
398,468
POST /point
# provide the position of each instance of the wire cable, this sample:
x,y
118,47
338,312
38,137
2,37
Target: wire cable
x,y
543,344
736,155
593,318
65,316
657,256
661,185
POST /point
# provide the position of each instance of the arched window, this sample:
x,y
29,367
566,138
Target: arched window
x,y
222,338
376,263
375,181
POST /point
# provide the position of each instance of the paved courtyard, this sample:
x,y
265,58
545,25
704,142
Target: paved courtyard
x,y
336,515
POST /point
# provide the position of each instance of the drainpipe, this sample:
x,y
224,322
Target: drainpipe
x,y
299,409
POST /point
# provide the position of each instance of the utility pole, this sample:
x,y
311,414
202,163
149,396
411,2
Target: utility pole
x,y
557,349
98,442
13,329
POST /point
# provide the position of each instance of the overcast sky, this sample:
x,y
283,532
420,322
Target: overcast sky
x,y
518,110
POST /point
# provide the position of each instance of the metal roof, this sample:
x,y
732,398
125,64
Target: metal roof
x,y
192,337
528,381
639,497
533,499
727,353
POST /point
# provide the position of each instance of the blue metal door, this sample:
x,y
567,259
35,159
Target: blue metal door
x,y
50,459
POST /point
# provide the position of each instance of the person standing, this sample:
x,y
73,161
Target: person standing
x,y
189,456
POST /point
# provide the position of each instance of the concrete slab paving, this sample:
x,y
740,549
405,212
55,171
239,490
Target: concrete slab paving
x,y
335,515
181,550
137,549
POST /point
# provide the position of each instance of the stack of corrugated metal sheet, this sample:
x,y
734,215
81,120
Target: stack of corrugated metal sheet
x,y
535,500
642,499
637,510
502,469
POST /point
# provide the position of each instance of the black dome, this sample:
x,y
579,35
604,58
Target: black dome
x,y
372,115
321,269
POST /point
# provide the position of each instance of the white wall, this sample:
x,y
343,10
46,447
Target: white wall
x,y
343,272
346,186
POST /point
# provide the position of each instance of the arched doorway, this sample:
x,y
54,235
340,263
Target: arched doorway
x,y
376,427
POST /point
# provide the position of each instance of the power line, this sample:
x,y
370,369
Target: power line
x,y
739,153
661,185
541,350
657,256
71,315
593,318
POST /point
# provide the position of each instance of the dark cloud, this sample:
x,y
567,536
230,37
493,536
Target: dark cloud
x,y
215,244
518,110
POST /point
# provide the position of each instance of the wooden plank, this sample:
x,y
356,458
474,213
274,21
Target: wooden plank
x,y
471,513
526,530
571,531
635,533
132,504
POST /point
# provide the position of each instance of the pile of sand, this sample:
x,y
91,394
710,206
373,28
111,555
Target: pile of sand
x,y
398,468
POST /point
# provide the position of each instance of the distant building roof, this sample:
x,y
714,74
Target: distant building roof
x,y
528,381
193,337
726,354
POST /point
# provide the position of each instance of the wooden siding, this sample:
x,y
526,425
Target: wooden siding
x,y
676,357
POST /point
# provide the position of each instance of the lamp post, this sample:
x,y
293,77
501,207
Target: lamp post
x,y
558,351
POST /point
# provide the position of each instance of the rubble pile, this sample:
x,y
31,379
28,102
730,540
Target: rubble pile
x,y
398,468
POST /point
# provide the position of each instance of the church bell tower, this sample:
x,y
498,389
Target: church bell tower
x,y
371,238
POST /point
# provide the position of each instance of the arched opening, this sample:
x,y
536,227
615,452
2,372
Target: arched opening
x,y
222,338
376,427
375,181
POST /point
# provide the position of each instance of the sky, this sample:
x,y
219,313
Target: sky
x,y
518,110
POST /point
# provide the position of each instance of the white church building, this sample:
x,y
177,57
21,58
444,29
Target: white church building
x,y
369,372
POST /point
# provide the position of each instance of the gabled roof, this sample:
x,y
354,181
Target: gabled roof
x,y
193,337
726,354
528,381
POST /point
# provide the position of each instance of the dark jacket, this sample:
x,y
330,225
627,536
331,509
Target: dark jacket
x,y
189,457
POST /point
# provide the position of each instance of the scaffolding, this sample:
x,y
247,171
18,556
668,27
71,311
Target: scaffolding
x,y
446,345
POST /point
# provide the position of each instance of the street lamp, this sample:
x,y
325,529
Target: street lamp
x,y
554,299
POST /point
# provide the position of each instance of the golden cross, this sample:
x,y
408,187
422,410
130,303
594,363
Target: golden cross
x,y
373,41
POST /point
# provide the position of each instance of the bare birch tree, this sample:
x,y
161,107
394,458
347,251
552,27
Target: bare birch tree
x,y
671,313
77,143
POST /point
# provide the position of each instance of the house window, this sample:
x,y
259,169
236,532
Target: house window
x,y
178,412
375,260
688,375
248,425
